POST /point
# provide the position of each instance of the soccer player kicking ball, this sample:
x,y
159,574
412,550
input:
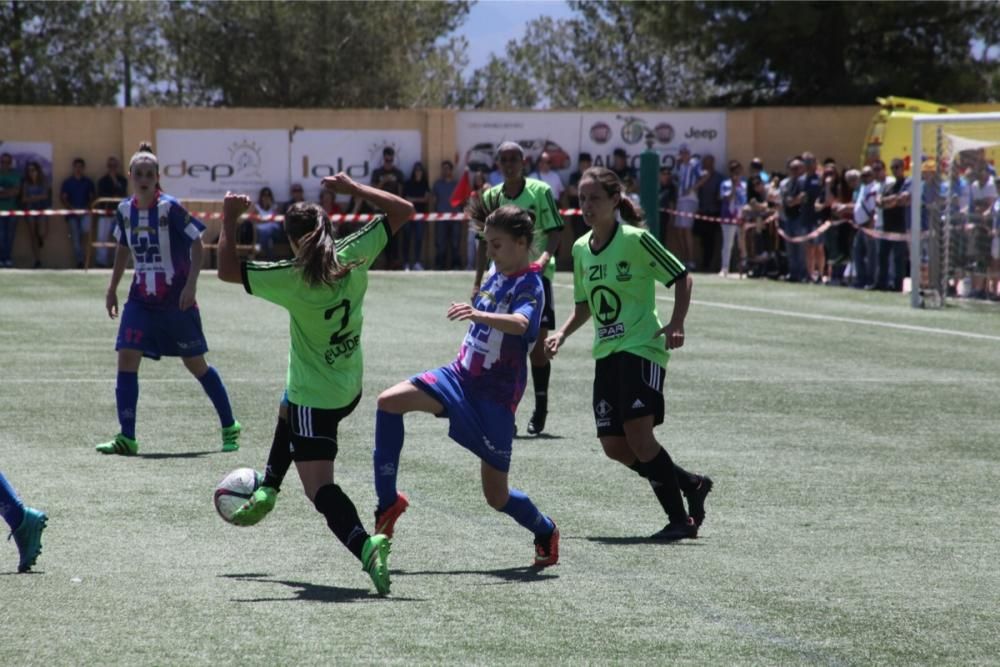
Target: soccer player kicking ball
x,y
323,289
535,196
161,317
26,525
479,391
615,271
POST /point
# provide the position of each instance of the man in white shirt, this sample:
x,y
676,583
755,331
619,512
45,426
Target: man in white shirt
x,y
545,173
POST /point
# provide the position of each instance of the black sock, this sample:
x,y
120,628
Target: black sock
x,y
342,517
687,481
661,476
280,458
540,380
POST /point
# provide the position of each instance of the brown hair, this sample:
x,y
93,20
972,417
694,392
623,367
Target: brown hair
x,y
308,225
513,220
609,180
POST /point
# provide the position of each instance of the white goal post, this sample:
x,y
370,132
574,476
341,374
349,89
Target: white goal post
x,y
941,137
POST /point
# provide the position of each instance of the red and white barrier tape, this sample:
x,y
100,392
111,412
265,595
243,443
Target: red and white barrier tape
x,y
874,233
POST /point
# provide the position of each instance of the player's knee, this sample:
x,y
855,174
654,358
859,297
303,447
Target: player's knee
x,y
391,401
618,450
496,498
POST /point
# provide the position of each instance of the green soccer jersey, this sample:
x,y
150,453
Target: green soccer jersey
x,y
536,196
324,359
619,283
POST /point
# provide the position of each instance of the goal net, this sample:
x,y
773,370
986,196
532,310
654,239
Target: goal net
x,y
955,248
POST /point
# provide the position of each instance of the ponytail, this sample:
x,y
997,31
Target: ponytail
x,y
631,213
311,229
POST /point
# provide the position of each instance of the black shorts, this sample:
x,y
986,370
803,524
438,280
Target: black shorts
x,y
626,386
549,312
314,430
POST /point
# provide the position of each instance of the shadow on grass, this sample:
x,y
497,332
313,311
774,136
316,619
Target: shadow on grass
x,y
624,540
307,592
540,436
505,575
179,455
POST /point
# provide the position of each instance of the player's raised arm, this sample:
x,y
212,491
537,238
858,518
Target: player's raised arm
x,y
397,210
233,208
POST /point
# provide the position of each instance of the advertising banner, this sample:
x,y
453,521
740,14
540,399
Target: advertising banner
x,y
204,164
565,134
316,154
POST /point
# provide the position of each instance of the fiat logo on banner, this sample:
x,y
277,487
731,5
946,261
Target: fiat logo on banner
x,y
600,133
664,133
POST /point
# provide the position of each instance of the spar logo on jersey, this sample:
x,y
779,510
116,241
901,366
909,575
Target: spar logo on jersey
x,y
606,306
624,271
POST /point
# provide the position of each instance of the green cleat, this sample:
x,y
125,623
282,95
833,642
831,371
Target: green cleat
x,y
120,445
260,503
231,437
28,537
374,559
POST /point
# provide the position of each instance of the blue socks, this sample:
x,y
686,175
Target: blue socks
x,y
11,507
212,384
127,397
388,445
520,508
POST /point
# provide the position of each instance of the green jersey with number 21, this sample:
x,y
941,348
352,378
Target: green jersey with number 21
x,y
619,283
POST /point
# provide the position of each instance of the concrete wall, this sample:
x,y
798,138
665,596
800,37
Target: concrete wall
x,y
771,133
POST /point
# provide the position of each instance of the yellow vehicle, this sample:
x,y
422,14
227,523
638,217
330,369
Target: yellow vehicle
x,y
890,133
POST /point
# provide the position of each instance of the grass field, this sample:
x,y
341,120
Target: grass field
x,y
855,445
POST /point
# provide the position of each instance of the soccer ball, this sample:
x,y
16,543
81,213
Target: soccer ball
x,y
234,490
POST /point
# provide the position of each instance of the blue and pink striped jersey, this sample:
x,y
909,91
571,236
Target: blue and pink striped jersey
x,y
494,365
160,239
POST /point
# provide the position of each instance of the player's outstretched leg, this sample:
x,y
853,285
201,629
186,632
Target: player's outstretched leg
x,y
519,507
231,437
260,504
375,561
28,537
660,471
547,547
389,435
385,520
696,498
278,462
26,524
342,518
121,445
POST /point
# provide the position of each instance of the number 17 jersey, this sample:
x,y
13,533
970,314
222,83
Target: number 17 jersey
x,y
618,282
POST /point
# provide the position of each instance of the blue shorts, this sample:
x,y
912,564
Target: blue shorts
x,y
161,333
485,428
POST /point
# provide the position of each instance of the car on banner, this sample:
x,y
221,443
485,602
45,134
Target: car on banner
x,y
482,155
533,148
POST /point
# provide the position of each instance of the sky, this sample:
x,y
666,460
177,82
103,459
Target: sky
x,y
490,24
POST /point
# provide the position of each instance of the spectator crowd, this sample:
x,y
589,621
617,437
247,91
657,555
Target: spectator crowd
x,y
813,222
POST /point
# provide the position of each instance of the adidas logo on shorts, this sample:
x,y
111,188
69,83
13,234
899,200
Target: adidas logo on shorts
x,y
638,404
